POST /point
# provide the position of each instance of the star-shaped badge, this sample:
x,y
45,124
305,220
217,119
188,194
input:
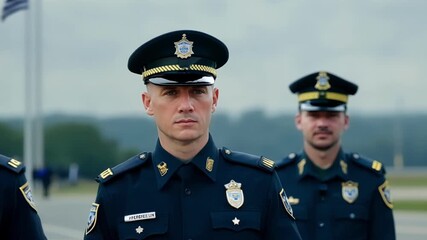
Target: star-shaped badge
x,y
139,230
236,221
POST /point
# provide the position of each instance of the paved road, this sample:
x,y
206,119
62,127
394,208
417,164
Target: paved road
x,y
64,218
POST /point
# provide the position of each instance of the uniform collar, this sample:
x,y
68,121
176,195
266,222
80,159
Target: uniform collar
x,y
166,165
338,169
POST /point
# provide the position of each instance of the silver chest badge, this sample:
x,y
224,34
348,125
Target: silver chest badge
x,y
234,194
350,191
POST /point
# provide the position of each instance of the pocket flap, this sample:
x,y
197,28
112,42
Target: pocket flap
x,y
144,228
236,221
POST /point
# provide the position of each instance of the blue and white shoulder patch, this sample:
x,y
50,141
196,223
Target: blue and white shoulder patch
x,y
91,220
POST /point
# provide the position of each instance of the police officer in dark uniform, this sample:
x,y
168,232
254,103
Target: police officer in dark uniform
x,y
187,188
334,194
18,214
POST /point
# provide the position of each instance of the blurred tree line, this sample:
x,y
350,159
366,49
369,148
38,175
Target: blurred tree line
x,y
96,144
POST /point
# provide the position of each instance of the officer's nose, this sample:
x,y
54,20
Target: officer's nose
x,y
186,103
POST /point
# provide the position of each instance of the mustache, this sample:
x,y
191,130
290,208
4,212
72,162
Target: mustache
x,y
323,131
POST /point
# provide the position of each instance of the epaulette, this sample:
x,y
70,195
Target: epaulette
x,y
127,165
286,160
372,165
248,159
11,164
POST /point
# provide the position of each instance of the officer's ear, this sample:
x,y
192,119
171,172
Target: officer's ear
x,y
215,95
346,121
297,120
146,101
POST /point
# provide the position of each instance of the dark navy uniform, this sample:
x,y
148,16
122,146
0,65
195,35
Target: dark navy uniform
x,y
350,200
18,215
220,194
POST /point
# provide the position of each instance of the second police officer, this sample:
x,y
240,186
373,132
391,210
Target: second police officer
x,y
334,194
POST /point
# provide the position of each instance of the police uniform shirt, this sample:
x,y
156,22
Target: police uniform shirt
x,y
18,215
350,200
218,195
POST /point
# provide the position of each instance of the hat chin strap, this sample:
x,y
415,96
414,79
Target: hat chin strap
x,y
307,106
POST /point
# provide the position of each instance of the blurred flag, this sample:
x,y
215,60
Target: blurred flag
x,y
11,6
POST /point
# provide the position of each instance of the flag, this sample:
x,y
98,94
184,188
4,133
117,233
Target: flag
x,y
11,6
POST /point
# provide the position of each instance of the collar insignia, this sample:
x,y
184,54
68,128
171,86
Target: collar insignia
x,y
343,166
301,165
209,164
163,168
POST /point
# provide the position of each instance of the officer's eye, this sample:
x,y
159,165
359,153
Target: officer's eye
x,y
199,90
170,92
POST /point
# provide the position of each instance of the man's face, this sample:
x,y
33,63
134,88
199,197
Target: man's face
x,y
181,113
321,130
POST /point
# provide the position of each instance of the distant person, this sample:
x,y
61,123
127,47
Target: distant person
x,y
45,176
187,188
334,194
18,214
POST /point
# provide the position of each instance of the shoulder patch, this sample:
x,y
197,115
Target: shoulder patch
x,y
286,160
373,165
129,164
11,164
248,159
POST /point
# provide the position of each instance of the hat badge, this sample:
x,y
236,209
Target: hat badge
x,y
322,81
184,47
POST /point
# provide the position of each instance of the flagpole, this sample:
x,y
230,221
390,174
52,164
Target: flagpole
x,y
29,116
38,93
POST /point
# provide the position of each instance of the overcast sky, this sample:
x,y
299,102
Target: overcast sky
x,y
379,44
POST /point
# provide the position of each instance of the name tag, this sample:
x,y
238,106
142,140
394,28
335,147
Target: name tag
x,y
140,216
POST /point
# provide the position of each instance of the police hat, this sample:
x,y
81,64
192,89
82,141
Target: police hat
x,y
184,57
323,91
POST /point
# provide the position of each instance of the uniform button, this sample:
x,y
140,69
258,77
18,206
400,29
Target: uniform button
x,y
187,191
352,215
321,224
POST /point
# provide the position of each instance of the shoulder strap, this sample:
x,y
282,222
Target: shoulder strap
x,y
286,160
372,165
11,164
129,164
248,159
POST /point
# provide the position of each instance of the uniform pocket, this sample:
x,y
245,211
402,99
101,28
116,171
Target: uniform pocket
x,y
236,221
351,213
300,213
351,222
143,229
